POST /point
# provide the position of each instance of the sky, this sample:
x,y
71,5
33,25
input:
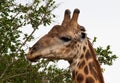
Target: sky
x,y
101,18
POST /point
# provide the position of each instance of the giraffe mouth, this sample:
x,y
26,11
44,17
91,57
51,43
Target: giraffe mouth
x,y
32,58
44,53
35,55
35,59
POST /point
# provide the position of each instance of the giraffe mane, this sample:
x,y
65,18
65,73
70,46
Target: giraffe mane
x,y
97,65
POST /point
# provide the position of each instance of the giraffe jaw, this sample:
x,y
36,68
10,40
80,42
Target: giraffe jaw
x,y
35,58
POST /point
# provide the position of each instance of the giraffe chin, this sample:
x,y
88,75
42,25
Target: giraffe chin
x,y
35,58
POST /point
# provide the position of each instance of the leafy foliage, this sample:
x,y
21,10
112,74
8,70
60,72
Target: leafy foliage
x,y
105,56
14,68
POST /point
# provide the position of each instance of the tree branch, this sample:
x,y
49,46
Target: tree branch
x,y
16,75
4,72
8,65
33,30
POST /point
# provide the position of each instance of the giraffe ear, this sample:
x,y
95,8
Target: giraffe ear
x,y
82,28
83,35
66,19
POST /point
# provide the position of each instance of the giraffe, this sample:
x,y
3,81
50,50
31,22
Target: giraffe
x,y
69,41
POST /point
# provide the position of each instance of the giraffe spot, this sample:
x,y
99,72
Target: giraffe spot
x,y
81,56
80,78
78,45
77,51
67,46
86,70
74,63
74,73
70,61
67,51
81,64
84,48
75,42
92,70
89,80
87,55
86,43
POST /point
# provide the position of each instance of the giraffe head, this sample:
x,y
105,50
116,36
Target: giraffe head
x,y
68,41
61,40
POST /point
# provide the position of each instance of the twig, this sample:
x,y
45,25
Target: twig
x,y
4,72
32,31
16,75
6,69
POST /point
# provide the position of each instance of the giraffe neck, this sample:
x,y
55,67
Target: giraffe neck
x,y
85,68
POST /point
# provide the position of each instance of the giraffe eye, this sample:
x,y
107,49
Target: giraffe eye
x,y
65,39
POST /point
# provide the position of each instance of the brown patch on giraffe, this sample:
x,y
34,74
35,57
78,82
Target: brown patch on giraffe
x,y
87,55
78,45
86,70
92,70
89,80
74,63
70,61
77,52
81,64
74,73
84,48
86,43
80,78
67,51
67,46
82,55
